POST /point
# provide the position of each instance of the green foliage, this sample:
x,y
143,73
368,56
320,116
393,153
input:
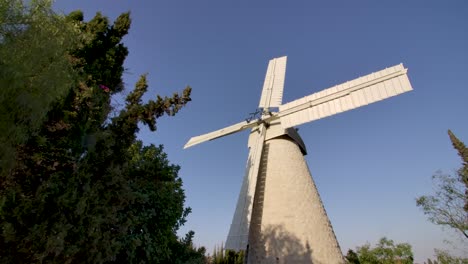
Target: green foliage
x,y
443,257
385,252
82,188
352,257
35,70
186,252
429,261
448,206
223,256
463,171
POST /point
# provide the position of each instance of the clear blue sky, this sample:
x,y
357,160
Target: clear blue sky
x,y
369,164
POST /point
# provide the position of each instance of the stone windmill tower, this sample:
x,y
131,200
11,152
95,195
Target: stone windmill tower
x,y
279,216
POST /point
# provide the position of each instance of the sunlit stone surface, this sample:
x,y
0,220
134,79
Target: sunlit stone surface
x,y
289,223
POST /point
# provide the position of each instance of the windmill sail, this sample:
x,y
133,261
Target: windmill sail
x,y
352,94
238,235
220,133
272,92
272,95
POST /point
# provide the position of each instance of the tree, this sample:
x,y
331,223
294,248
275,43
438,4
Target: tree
x,y
35,70
444,257
227,256
352,257
385,252
463,171
366,255
187,253
83,188
449,205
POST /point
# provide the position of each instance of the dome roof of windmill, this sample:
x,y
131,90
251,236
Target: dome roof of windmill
x,y
276,130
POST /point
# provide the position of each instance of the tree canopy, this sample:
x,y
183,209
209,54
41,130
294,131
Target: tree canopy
x,y
81,187
463,171
352,257
449,205
385,252
35,69
444,257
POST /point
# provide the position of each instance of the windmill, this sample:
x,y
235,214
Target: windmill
x,y
279,216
